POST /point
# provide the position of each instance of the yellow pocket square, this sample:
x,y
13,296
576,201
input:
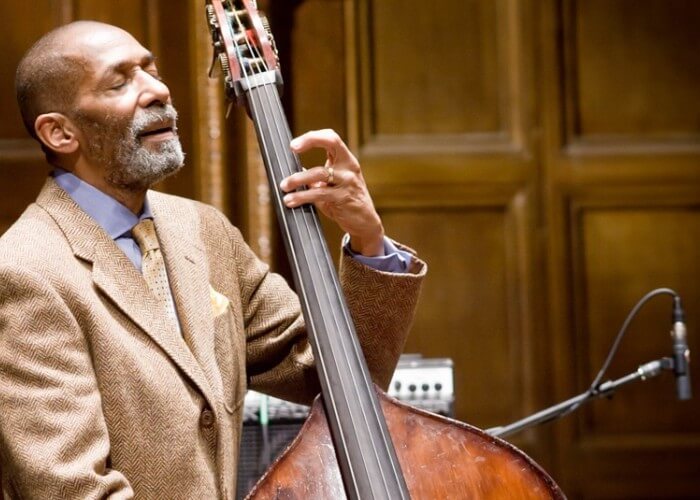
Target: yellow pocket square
x,y
219,302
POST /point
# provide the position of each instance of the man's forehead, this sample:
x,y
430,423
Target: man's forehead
x,y
109,47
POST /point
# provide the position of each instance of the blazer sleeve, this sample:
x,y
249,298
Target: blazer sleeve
x,y
279,357
382,306
54,437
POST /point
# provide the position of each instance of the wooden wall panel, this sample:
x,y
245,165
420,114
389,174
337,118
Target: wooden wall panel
x,y
317,59
440,113
422,87
644,83
474,288
617,158
131,15
626,252
429,80
29,27
21,160
621,178
15,196
465,312
643,443
15,43
317,62
169,27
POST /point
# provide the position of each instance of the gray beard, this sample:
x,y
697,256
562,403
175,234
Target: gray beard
x,y
129,164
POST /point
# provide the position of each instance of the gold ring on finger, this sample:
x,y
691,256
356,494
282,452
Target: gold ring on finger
x,y
329,175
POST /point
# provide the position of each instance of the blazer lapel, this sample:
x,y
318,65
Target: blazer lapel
x,y
178,228
118,279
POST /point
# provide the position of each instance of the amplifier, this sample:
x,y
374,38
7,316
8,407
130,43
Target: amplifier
x,y
270,424
426,383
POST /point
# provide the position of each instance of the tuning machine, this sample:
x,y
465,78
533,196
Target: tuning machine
x,y
243,47
218,45
270,37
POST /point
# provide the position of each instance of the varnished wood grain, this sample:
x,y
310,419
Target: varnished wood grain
x,y
644,84
620,165
439,458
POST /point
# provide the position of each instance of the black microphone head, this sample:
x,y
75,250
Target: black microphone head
x,y
681,353
683,390
678,313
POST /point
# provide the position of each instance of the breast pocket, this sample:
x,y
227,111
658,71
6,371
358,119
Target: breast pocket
x,y
230,357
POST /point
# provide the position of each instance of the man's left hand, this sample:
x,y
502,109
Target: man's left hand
x,y
338,190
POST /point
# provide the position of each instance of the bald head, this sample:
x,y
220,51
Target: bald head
x,y
49,74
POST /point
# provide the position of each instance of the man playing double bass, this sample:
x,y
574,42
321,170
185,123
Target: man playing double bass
x,y
133,322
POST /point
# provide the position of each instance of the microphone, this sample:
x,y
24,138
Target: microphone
x,y
681,353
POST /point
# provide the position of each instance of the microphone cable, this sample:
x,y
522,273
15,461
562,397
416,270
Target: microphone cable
x,y
593,389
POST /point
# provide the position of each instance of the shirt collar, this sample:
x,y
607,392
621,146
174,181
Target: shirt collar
x,y
111,215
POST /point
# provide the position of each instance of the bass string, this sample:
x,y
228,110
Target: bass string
x,y
283,220
354,383
272,103
282,146
299,220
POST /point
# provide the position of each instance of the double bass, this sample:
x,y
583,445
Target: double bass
x,y
357,442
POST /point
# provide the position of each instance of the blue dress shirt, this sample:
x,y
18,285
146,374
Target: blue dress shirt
x,y
112,216
117,221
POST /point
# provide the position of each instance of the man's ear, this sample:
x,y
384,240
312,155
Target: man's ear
x,y
56,132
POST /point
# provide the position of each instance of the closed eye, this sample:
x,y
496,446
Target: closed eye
x,y
118,86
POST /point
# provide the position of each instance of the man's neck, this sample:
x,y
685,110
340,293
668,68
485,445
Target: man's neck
x,y
131,199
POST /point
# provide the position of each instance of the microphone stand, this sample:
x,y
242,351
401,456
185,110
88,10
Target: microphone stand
x,y
644,372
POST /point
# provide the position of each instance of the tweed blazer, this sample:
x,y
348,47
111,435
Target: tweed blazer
x,y
100,398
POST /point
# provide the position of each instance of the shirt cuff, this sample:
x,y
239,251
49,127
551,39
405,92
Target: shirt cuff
x,y
394,260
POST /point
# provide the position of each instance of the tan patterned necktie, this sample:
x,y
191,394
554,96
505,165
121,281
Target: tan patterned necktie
x,y
153,267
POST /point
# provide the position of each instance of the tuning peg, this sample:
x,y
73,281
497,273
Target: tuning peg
x,y
268,30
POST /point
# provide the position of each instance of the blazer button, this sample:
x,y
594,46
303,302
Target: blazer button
x,y
206,419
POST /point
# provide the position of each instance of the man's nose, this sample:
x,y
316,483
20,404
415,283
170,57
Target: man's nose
x,y
154,91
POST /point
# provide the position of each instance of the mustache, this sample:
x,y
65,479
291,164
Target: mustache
x,y
152,117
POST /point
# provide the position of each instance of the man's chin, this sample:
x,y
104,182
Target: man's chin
x,y
142,181
138,166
